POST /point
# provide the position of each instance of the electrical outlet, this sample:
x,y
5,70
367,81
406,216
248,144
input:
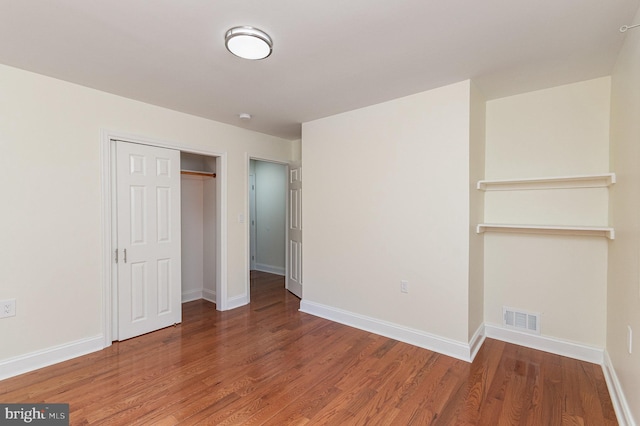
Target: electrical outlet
x,y
7,308
404,286
629,338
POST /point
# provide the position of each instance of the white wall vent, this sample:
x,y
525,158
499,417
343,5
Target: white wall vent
x,y
521,320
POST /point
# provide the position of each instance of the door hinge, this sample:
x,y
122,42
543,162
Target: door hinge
x,y
116,255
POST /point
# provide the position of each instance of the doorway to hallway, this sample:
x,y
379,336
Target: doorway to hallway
x,y
268,206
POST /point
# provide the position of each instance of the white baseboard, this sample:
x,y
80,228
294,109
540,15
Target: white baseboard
x,y
191,295
237,301
209,295
547,344
278,270
414,337
46,357
476,342
620,404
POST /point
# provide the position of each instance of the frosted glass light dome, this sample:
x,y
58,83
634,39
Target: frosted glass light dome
x,y
248,43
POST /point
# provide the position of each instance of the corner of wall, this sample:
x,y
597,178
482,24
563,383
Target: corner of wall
x,y
618,399
296,150
477,124
623,279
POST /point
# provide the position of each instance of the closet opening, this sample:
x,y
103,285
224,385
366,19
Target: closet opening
x,y
199,226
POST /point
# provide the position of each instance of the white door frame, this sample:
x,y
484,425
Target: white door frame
x,y
248,222
252,219
108,275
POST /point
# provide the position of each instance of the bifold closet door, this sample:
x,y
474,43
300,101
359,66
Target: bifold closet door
x,y
149,251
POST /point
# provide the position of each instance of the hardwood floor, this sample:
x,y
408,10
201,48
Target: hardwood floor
x,y
267,363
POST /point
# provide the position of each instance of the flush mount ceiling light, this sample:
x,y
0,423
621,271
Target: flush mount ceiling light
x,y
248,42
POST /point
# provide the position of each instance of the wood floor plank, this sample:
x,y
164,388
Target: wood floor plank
x,y
269,364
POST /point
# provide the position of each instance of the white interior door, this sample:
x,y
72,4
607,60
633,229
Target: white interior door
x,y
294,271
148,215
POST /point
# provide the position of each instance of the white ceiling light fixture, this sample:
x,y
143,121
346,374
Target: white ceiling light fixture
x,y
248,42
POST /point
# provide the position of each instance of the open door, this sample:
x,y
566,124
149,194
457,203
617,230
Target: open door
x,y
149,252
294,271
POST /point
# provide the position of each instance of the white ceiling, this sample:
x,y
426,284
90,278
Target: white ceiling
x,y
329,56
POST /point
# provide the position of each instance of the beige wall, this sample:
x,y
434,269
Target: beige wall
x,y
623,297
553,132
386,198
296,150
50,231
476,204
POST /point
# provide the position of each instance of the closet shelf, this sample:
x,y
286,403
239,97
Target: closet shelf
x,y
197,173
593,231
558,182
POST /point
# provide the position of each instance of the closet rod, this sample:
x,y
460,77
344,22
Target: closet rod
x,y
194,173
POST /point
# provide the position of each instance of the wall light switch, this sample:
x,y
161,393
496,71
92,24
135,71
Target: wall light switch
x,y
404,286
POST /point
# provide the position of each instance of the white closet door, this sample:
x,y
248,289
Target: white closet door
x,y
149,262
294,272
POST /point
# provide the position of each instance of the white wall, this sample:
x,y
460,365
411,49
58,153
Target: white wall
x,y
271,200
553,132
623,296
192,214
386,198
50,220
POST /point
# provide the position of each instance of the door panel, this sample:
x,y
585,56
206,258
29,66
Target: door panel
x,y
294,270
138,292
164,286
149,269
295,251
294,211
163,199
138,215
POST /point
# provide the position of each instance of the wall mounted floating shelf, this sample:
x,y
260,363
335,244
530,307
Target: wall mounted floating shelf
x,y
592,231
559,182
